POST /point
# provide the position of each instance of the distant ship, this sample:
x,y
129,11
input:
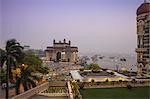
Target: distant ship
x,y
122,59
111,57
86,58
101,57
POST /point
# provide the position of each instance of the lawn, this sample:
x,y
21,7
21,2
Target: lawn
x,y
116,93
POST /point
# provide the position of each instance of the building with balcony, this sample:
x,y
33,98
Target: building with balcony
x,y
143,39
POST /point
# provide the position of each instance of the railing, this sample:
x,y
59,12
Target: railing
x,y
42,87
32,91
140,50
54,94
70,90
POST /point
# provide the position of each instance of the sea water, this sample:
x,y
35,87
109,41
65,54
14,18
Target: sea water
x,y
115,63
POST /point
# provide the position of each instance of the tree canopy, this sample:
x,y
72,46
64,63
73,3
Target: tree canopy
x,y
19,66
92,67
12,53
32,60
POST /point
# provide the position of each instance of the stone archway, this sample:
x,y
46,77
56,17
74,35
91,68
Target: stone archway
x,y
50,59
68,59
58,56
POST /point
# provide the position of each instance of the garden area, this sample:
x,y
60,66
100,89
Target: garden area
x,y
56,90
116,93
94,70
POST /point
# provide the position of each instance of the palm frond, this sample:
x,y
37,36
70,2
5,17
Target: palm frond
x,y
9,43
3,57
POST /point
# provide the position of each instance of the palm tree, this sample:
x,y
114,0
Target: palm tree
x,y
12,53
26,79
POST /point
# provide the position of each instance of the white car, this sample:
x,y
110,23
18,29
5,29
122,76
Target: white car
x,y
9,84
49,78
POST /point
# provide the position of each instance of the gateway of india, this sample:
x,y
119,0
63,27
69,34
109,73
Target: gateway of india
x,y
61,52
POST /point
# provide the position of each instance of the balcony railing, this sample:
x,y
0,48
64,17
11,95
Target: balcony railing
x,y
140,49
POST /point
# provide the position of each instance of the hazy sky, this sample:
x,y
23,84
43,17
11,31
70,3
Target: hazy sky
x,y
92,25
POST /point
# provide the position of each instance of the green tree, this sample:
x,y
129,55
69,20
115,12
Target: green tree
x,y
75,87
92,67
12,53
43,70
32,60
2,75
26,79
81,85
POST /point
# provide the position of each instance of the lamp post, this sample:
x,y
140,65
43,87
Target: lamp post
x,y
7,78
117,66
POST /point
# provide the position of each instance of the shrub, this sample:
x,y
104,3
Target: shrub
x,y
111,73
104,69
95,71
92,80
92,67
81,85
81,69
120,81
129,87
133,81
78,80
107,80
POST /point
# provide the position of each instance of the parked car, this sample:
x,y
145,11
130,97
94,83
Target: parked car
x,y
49,78
9,84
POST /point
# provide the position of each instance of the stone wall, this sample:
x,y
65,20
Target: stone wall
x,y
32,91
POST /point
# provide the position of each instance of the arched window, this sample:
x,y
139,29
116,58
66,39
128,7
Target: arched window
x,y
140,26
58,56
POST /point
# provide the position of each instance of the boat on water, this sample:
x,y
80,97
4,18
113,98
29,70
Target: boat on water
x,y
86,58
122,59
111,57
101,57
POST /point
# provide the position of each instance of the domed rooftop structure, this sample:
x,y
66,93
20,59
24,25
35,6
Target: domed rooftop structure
x,y
144,8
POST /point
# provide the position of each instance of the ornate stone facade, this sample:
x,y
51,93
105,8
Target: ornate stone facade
x,y
62,52
143,39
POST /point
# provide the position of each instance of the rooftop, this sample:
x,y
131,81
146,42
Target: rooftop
x,y
144,8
